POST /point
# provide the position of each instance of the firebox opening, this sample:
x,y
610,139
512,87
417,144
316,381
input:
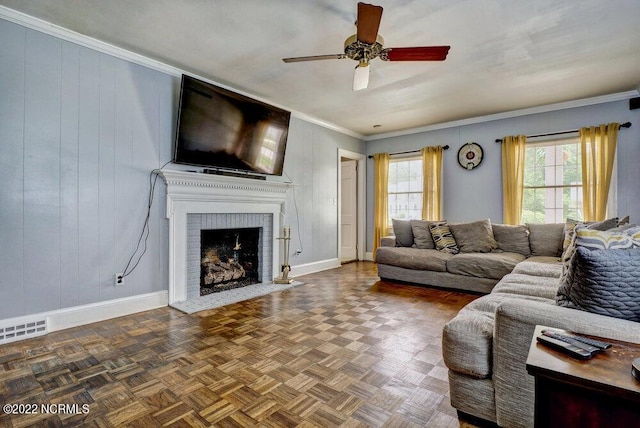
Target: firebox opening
x,y
230,258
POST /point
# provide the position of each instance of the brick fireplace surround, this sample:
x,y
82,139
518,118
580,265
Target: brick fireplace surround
x,y
191,193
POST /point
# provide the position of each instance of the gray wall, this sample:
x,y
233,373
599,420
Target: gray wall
x,y
80,132
476,194
312,164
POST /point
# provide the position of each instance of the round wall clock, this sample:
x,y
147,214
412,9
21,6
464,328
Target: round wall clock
x,y
470,155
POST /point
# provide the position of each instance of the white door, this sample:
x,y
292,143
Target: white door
x,y
348,208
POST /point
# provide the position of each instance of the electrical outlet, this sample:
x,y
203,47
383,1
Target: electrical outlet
x,y
297,253
119,279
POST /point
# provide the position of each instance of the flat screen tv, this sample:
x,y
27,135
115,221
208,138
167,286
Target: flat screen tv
x,y
221,129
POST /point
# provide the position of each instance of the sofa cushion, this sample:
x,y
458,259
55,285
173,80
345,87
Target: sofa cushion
x,y
483,265
518,284
540,266
603,281
402,231
474,237
413,258
422,235
443,238
546,239
544,259
512,238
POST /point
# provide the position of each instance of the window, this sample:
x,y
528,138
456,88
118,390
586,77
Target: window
x,y
405,188
552,181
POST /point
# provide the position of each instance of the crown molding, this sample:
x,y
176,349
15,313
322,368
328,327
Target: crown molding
x,y
83,40
509,114
45,27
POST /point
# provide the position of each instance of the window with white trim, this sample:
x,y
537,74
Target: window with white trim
x,y
405,188
552,181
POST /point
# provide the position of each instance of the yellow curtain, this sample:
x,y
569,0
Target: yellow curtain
x,y
432,183
380,197
513,149
598,145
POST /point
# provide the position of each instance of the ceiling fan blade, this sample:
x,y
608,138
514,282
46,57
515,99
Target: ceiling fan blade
x,y
314,58
361,77
368,22
425,53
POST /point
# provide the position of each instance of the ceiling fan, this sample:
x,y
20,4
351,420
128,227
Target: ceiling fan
x,y
366,45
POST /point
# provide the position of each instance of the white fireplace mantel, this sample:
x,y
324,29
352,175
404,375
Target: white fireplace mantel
x,y
195,193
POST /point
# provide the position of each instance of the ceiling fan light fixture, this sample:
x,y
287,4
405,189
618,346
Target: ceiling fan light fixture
x,y
367,45
361,76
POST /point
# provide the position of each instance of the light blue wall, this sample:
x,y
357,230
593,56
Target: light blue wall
x,y
312,165
476,194
80,132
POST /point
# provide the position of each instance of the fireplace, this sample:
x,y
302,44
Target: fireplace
x,y
229,258
197,202
222,232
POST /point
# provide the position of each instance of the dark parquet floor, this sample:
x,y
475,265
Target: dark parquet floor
x,y
344,349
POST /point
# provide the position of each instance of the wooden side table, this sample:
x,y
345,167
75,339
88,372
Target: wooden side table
x,y
600,392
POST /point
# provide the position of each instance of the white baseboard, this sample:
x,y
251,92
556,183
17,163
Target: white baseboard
x,y
94,312
369,257
75,316
313,267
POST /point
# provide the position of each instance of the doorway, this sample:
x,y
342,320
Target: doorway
x,y
351,176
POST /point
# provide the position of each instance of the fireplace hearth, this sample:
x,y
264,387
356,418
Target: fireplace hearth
x,y
230,258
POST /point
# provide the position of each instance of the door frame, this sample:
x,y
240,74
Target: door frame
x,y
360,204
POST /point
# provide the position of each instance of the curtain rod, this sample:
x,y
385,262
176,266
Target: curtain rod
x,y
410,151
624,125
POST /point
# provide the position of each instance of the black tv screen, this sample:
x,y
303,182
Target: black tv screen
x,y
221,129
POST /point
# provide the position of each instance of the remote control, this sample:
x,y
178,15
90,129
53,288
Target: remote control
x,y
571,340
588,341
567,348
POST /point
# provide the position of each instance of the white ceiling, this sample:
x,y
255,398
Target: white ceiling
x,y
505,54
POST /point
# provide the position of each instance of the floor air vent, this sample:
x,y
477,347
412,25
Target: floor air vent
x,y
23,330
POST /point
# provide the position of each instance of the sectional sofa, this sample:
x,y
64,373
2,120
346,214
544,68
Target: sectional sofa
x,y
485,346
483,255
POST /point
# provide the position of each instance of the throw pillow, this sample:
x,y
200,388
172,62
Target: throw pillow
x,y
443,238
607,239
546,239
605,282
402,230
421,234
620,237
474,237
623,227
512,238
571,224
607,224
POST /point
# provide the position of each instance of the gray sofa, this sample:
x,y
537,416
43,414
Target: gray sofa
x,y
487,252
485,346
